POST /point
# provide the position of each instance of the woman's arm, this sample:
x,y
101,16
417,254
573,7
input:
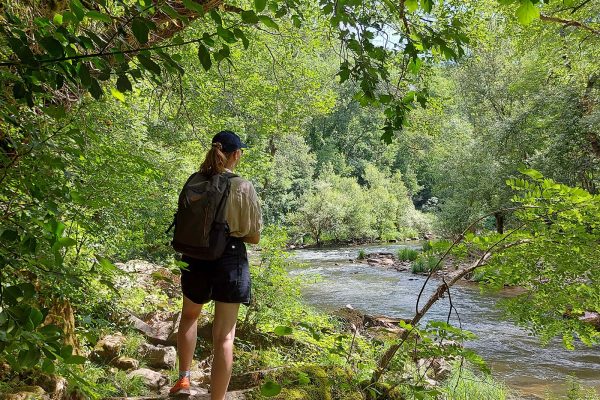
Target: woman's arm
x,y
254,239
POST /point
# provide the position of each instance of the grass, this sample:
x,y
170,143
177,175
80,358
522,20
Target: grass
x,y
424,263
407,254
467,385
361,255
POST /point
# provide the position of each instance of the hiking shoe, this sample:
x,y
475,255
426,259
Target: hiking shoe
x,y
181,387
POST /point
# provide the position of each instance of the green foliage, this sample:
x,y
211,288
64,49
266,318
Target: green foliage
x,y
550,256
407,254
339,208
361,255
464,384
425,263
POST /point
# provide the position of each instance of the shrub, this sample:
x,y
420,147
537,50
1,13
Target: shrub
x,y
361,255
407,254
424,263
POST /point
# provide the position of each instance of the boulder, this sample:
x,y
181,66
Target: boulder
x,y
358,320
126,363
440,368
107,349
26,393
157,331
54,385
162,357
382,259
591,317
152,379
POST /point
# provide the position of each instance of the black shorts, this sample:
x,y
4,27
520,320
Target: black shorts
x,y
226,279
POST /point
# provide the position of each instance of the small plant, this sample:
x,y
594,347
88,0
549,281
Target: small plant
x,y
424,263
407,254
361,255
427,245
132,344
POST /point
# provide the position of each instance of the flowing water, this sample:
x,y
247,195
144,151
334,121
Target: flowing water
x,y
513,355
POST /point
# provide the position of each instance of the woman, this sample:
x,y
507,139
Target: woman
x,y
226,280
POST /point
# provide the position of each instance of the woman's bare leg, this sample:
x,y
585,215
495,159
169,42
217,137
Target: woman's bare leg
x,y
223,335
188,332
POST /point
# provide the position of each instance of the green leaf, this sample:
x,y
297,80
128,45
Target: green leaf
x,y
270,389
427,5
28,358
204,56
58,19
50,331
66,351
98,16
216,17
249,17
411,5
36,316
123,84
48,366
84,75
535,174
140,30
303,378
149,64
192,5
260,5
226,34
117,94
95,89
241,35
77,9
527,12
268,22
283,330
75,359
52,46
66,242
106,264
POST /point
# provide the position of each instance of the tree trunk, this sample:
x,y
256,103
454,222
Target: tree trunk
x,y
61,314
499,222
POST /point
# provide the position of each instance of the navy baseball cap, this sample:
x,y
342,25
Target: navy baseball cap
x,y
229,140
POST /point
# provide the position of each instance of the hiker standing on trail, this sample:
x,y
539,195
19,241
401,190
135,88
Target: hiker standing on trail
x,y
226,278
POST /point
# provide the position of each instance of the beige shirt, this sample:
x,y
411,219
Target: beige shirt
x,y
243,212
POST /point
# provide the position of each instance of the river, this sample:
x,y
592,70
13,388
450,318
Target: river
x,y
513,355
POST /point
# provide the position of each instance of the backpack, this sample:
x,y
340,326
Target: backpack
x,y
201,231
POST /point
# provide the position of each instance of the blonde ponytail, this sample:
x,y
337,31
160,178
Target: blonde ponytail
x,y
215,160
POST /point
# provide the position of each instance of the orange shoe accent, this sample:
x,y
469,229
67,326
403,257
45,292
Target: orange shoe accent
x,y
181,387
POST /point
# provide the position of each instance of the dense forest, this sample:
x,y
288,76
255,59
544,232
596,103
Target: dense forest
x,y
471,125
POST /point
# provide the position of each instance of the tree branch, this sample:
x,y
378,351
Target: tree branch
x,y
569,22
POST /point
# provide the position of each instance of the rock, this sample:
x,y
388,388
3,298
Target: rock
x,y
152,379
54,385
439,367
591,317
108,348
26,393
362,321
126,363
382,259
161,332
159,356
